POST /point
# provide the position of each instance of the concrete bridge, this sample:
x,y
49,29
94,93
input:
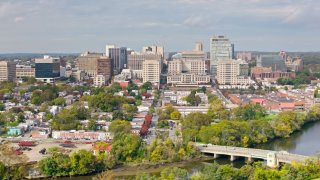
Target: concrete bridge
x,y
273,158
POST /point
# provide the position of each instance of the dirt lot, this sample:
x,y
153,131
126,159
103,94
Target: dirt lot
x,y
34,155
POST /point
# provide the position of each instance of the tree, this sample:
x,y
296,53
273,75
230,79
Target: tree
x,y
217,110
196,120
286,123
145,87
82,113
66,119
127,147
2,107
249,112
191,125
82,162
59,101
92,125
120,126
175,115
173,173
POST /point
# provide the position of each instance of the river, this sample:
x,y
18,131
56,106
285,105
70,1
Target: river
x,y
304,142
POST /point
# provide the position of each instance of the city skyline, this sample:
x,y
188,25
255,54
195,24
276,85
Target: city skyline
x,y
43,26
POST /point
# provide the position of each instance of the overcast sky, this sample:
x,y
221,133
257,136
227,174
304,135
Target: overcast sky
x,y
80,25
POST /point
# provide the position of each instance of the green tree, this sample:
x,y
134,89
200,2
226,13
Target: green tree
x,y
92,125
120,126
173,173
127,147
59,101
249,112
2,107
82,162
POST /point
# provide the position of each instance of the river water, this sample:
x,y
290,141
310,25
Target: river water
x,y
304,142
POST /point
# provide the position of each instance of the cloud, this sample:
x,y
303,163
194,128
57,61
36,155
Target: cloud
x,y
195,20
18,19
151,20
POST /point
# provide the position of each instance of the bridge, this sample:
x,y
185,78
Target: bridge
x,y
273,158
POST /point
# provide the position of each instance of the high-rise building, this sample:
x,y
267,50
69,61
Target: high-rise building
x,y
118,56
276,62
94,64
196,54
7,71
159,50
135,60
88,62
47,69
220,49
233,72
104,67
151,69
24,71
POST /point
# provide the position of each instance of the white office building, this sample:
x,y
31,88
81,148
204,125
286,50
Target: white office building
x,y
220,49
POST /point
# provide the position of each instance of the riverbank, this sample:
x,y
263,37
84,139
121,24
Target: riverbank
x,y
128,170
131,169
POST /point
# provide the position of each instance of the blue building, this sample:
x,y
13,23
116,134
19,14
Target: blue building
x,y
16,131
47,69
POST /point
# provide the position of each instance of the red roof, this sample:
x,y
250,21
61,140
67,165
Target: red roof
x,y
257,100
124,84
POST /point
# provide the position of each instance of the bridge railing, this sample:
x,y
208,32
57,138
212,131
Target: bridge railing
x,y
249,152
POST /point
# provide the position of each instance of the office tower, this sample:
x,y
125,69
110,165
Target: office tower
x,y
233,72
159,50
151,69
88,62
94,64
118,56
24,71
47,69
276,62
104,68
135,60
220,49
7,71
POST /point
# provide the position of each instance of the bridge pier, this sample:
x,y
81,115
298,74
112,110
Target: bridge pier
x,y
232,158
249,159
215,156
272,160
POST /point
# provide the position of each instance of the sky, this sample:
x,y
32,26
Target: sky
x,y
73,26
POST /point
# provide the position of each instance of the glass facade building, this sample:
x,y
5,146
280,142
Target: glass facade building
x,y
220,49
276,62
47,69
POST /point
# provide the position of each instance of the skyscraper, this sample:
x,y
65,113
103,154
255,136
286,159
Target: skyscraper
x,y
118,56
220,49
159,50
47,69
7,71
